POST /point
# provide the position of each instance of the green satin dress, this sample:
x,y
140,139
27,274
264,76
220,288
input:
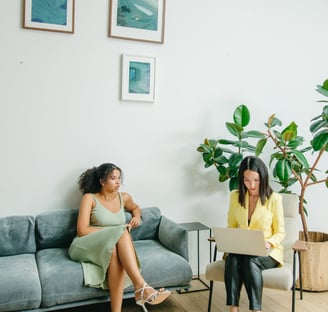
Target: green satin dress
x,y
94,250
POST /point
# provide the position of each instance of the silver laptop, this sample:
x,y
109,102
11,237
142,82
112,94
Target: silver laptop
x,y
240,241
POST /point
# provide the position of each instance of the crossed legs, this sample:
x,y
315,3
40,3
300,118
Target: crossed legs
x,y
124,260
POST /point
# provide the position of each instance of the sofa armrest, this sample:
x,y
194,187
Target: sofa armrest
x,y
174,237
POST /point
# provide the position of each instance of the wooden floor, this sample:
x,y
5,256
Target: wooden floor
x,y
273,301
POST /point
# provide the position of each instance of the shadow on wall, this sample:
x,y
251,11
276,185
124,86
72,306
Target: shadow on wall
x,y
68,187
202,181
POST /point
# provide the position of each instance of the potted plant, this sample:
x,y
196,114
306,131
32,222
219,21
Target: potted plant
x,y
226,154
291,167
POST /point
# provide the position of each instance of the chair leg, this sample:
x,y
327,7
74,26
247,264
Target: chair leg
x,y
294,282
300,274
210,296
294,278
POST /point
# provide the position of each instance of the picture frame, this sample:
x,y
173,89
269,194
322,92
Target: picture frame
x,y
137,20
55,16
138,78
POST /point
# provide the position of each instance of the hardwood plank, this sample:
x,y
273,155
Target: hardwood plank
x,y
273,300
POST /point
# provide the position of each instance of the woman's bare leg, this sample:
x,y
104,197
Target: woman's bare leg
x,y
116,278
127,257
234,309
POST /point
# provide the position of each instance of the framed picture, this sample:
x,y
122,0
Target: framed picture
x,y
141,20
49,15
138,78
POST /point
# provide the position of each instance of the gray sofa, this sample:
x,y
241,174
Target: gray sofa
x,y
36,273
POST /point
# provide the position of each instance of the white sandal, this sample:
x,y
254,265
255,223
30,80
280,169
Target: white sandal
x,y
155,297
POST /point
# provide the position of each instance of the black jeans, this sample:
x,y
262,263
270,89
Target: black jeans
x,y
245,269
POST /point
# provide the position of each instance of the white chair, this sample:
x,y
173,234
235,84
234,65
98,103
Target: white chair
x,y
278,278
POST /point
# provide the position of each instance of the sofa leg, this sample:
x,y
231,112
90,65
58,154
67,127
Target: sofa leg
x,y
210,296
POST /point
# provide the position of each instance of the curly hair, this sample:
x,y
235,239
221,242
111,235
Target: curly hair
x,y
89,180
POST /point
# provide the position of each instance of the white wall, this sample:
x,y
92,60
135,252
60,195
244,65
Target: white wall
x,y
60,111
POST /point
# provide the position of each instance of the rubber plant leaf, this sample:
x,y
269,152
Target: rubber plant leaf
x,y
320,140
290,132
283,170
241,116
234,129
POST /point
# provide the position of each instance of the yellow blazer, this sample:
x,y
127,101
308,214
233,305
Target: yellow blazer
x,y
268,218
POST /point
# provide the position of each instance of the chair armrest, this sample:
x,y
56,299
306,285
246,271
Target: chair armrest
x,y
174,237
299,246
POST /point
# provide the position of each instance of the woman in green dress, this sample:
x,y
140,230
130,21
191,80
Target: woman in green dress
x,y
103,244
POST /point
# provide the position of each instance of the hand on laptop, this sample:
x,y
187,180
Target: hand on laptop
x,y
268,245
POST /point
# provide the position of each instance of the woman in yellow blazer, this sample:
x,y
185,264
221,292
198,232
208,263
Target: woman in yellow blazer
x,y
253,206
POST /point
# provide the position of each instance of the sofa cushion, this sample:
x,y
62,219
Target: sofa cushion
x,y
17,235
56,229
148,228
20,287
62,279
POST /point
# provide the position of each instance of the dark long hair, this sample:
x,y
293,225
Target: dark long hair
x,y
89,181
254,164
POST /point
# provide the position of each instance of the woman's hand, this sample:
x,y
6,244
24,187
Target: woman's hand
x,y
135,222
268,245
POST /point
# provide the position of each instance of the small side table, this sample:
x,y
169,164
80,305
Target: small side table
x,y
197,226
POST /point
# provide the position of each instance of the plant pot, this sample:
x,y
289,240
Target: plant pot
x,y
314,262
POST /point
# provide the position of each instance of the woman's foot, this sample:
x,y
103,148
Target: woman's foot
x,y
149,295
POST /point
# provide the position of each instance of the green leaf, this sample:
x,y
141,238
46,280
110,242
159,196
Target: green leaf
x,y
325,84
277,134
208,163
301,158
218,152
325,111
317,125
322,90
320,140
241,116
234,129
221,160
283,170
253,134
227,150
207,157
241,144
223,177
272,122
222,170
233,183
204,149
227,142
259,146
212,143
298,141
235,160
290,132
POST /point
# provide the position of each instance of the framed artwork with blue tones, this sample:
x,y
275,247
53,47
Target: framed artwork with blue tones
x,y
50,15
138,78
141,20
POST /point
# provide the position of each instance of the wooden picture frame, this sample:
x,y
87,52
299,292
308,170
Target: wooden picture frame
x,y
137,20
49,16
138,78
